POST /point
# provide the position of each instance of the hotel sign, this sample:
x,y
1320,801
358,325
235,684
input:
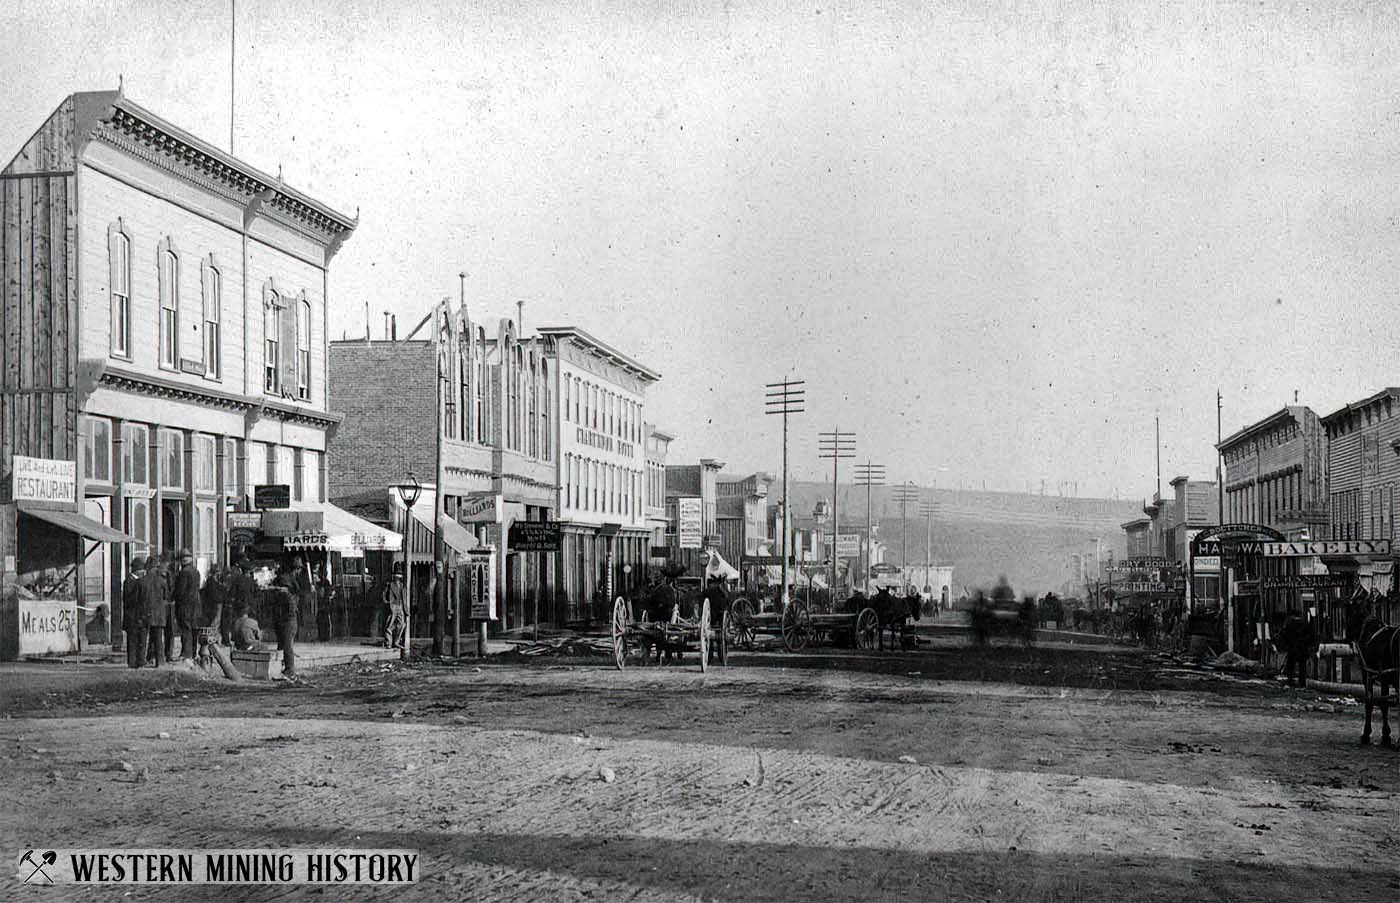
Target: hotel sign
x,y
44,480
1307,548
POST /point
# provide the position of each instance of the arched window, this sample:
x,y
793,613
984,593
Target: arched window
x,y
482,430
213,284
169,287
119,284
531,430
272,340
304,349
546,436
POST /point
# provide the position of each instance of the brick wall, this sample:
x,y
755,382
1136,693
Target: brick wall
x,y
385,391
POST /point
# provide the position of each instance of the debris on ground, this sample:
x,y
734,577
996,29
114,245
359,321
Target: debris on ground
x,y
909,760
607,774
1233,661
570,646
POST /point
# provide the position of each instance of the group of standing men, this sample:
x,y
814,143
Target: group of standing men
x,y
161,598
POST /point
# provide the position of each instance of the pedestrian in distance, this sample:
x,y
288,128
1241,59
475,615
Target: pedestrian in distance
x,y
1297,641
283,599
134,613
215,612
395,602
187,604
154,601
168,570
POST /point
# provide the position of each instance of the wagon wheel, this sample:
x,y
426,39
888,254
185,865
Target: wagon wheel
x,y
741,630
619,633
867,629
797,626
723,639
705,635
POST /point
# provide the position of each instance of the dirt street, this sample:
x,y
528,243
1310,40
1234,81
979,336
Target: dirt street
x,y
1071,773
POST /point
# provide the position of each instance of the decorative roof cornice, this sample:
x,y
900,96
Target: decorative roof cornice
x,y
145,135
161,387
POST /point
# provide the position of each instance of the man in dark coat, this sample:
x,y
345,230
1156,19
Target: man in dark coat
x,y
134,613
153,602
187,604
166,567
1297,641
283,605
215,604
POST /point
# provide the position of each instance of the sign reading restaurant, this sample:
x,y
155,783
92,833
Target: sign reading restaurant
x,y
44,480
1308,548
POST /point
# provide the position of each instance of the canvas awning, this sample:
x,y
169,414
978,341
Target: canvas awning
x,y
420,531
341,532
718,567
78,523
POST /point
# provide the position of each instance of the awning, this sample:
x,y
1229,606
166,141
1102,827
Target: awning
x,y
341,532
77,523
419,528
718,567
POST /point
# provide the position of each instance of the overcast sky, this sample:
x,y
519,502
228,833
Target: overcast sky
x,y
994,243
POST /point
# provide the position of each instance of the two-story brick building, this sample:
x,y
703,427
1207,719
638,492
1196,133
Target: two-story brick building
x,y
176,301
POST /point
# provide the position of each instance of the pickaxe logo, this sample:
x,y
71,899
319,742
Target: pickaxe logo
x,y
38,864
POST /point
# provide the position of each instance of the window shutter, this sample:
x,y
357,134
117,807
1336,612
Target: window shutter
x,y
165,296
287,347
113,255
205,300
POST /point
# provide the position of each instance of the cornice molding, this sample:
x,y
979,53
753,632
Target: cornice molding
x,y
253,409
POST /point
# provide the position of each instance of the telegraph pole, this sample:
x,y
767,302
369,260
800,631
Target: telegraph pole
x,y
868,475
1220,483
785,397
835,444
926,509
904,493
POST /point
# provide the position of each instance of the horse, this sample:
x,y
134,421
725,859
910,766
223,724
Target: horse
x,y
1377,648
893,612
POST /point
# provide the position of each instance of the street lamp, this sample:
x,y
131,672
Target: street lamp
x,y
408,493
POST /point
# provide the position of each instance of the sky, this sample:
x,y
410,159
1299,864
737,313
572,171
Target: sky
x,y
997,241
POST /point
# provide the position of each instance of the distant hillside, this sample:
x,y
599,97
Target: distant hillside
x,y
1029,538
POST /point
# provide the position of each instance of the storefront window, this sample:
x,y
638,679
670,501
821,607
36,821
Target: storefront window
x,y
135,454
97,456
204,477
205,535
172,459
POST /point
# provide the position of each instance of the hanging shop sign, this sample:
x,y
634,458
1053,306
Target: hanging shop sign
x,y
535,536
847,545
1142,586
481,584
43,480
689,522
272,495
307,540
1207,564
1308,548
480,508
1145,564
660,552
764,560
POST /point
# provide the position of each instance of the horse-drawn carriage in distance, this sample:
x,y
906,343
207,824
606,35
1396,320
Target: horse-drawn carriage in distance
x,y
859,622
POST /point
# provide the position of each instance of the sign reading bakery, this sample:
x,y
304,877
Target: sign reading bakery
x,y
1308,548
44,480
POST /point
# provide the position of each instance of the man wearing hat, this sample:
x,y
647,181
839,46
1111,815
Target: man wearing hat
x,y
134,613
187,604
152,599
397,604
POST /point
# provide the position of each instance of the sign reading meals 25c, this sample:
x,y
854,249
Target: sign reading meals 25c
x,y
44,480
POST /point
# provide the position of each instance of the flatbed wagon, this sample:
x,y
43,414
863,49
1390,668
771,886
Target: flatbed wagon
x,y
798,626
634,640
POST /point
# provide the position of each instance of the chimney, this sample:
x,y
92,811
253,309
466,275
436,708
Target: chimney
x,y
520,319
393,327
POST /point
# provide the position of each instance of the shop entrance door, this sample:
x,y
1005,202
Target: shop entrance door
x,y
172,526
95,625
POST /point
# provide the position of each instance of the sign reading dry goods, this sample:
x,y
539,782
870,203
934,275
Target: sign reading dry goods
x,y
44,480
1327,547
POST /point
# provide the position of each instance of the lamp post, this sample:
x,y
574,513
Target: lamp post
x,y
408,493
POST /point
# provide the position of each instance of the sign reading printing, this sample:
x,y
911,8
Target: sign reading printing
x,y
44,480
689,524
48,626
277,866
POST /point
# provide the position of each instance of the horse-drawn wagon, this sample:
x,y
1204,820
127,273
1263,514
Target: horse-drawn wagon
x,y
861,626
636,639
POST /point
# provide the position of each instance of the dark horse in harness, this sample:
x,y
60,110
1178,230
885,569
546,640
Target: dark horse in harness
x,y
1377,647
893,613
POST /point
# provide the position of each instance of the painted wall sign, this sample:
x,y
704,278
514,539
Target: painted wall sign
x,y
1207,564
1142,586
1306,581
44,480
481,584
847,545
48,626
689,524
245,520
535,536
479,508
1326,547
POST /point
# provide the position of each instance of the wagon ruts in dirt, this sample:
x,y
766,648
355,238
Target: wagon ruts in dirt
x,y
633,641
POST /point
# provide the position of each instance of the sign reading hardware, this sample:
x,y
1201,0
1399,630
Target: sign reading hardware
x,y
1307,548
847,545
272,495
44,480
535,536
689,526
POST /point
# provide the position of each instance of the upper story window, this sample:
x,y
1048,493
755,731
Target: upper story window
x,y
135,454
213,283
230,466
119,281
304,350
169,279
272,340
97,451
